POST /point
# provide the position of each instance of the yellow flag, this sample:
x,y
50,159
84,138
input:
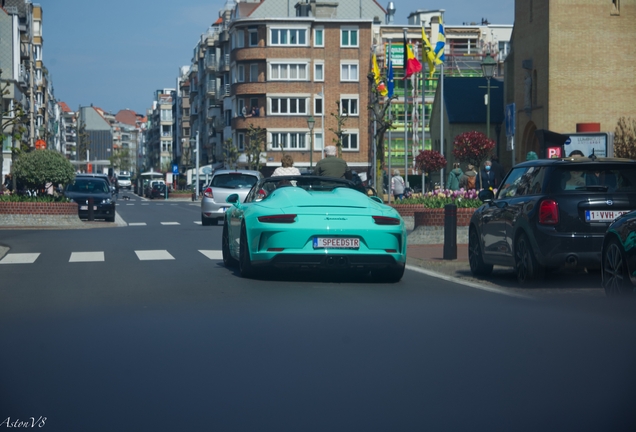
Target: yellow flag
x,y
429,54
378,77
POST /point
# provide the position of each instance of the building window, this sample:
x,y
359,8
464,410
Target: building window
x,y
241,73
253,37
288,106
319,37
318,109
241,108
319,72
350,141
289,141
287,36
186,112
166,115
240,39
186,131
349,37
288,72
254,72
241,141
349,72
318,141
349,106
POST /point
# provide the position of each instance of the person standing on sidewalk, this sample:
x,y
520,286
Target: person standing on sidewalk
x,y
453,177
397,185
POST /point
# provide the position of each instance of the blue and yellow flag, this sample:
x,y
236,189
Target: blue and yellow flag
x,y
428,54
378,77
441,42
389,78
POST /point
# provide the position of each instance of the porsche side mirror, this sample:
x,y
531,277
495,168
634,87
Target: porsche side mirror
x,y
233,199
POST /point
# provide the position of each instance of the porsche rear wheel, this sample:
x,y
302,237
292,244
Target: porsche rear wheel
x,y
245,263
228,259
390,275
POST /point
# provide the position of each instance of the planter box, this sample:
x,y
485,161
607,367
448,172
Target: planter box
x,y
38,214
432,217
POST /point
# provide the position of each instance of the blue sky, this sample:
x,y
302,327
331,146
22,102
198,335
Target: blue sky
x,y
114,54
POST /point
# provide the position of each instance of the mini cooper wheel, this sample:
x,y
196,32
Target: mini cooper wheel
x,y
475,257
526,265
615,276
228,259
245,264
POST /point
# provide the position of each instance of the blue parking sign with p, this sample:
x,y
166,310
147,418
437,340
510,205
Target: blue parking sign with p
x,y
175,169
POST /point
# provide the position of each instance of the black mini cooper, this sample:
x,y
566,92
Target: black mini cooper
x,y
549,214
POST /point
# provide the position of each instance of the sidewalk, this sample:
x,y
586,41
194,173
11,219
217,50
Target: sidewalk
x,y
431,257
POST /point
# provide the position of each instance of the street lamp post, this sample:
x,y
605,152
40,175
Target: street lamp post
x,y
311,122
488,66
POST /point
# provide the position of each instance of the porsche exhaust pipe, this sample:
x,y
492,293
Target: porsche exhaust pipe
x,y
571,260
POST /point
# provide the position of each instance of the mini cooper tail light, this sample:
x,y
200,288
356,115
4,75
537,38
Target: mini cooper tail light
x,y
384,220
548,212
281,218
208,193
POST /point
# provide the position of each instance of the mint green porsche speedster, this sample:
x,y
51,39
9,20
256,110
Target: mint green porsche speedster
x,y
309,222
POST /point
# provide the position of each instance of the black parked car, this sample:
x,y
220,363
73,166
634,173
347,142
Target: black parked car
x,y
85,188
618,265
549,214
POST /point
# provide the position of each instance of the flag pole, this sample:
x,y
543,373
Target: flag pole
x,y
441,125
406,112
390,119
423,109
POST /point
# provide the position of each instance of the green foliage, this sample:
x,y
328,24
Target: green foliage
x,y
231,153
440,198
256,137
625,138
472,147
35,169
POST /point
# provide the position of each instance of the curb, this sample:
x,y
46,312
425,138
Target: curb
x,y
3,251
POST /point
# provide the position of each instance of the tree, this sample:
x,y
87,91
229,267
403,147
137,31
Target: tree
x,y
231,154
83,143
430,161
379,108
34,170
625,138
340,121
12,124
255,143
473,148
121,160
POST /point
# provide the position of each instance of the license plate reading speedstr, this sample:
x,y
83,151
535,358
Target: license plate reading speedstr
x,y
336,243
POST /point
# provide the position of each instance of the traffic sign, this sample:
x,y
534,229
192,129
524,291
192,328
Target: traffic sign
x,y
206,170
510,120
175,169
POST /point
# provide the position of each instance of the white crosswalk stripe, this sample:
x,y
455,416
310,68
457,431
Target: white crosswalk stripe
x,y
100,256
153,255
137,224
197,222
20,258
86,257
170,223
212,254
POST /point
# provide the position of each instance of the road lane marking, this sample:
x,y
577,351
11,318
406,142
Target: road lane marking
x,y
20,258
467,283
129,204
197,222
212,254
170,223
153,255
145,204
86,257
137,224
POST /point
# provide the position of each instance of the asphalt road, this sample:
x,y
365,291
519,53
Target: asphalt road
x,y
142,328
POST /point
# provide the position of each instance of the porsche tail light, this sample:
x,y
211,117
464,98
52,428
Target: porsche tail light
x,y
261,194
281,218
384,220
548,212
208,193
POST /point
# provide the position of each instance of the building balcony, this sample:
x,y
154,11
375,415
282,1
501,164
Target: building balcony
x,y
225,35
251,53
211,63
245,123
210,88
250,88
224,64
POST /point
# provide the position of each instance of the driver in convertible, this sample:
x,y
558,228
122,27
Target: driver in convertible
x,y
332,165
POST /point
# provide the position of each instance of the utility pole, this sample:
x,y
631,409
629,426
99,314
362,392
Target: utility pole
x,y
197,165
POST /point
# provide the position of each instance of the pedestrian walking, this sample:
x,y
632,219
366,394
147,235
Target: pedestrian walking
x,y
397,185
453,177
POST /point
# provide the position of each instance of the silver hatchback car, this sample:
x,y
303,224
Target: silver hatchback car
x,y
223,184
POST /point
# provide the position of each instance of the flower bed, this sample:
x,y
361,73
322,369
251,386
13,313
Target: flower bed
x,y
428,209
39,214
